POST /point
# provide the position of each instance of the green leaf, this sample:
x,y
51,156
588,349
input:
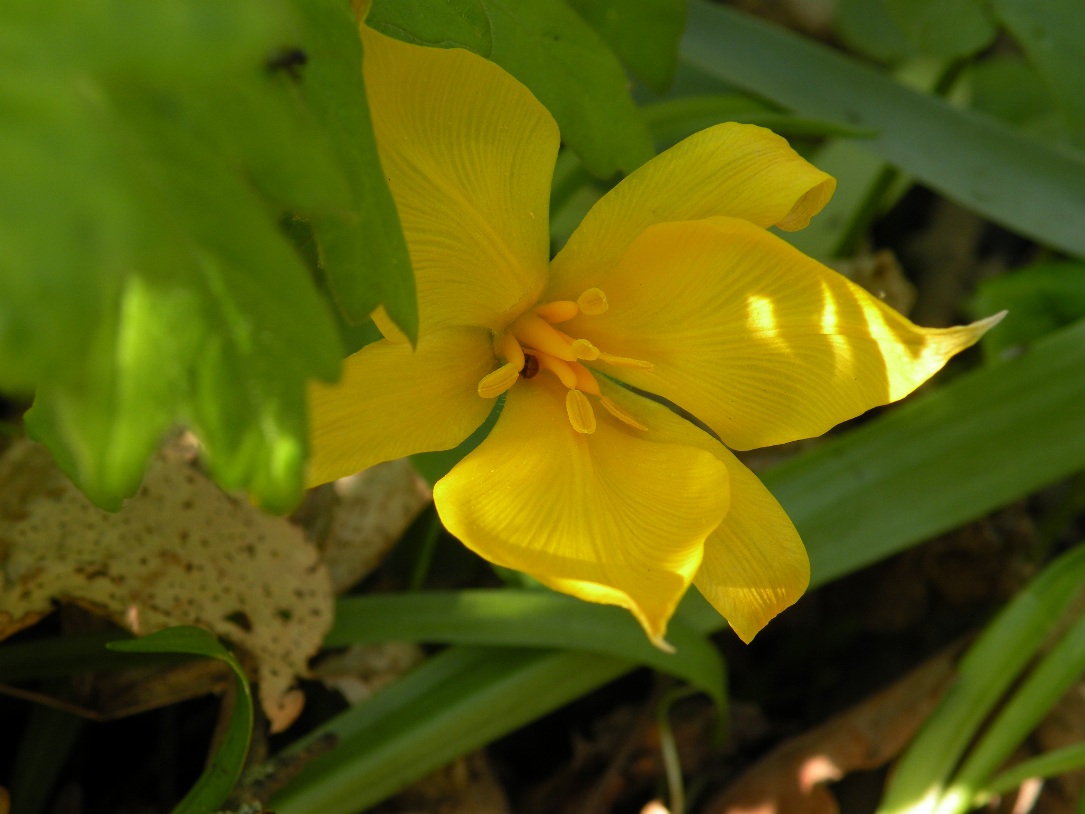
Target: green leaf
x,y
675,119
1011,89
1050,34
867,27
525,618
988,669
1024,185
937,462
553,52
920,469
1041,299
363,252
944,28
459,700
147,156
1060,670
643,33
224,770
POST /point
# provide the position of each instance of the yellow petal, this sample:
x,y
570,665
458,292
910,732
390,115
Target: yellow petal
x,y
755,339
393,401
754,563
609,517
469,154
736,170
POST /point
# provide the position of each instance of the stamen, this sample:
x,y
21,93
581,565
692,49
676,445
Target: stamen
x,y
581,415
558,311
593,302
389,330
585,350
534,332
510,350
584,380
560,368
622,361
496,383
620,413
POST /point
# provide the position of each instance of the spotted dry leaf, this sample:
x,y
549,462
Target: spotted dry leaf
x,y
373,510
179,552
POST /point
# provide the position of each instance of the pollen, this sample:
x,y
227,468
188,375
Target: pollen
x,y
532,344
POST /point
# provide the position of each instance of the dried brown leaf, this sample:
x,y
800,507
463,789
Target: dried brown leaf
x,y
179,552
792,778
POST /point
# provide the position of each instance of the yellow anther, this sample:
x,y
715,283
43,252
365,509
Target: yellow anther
x,y
581,415
584,380
622,361
389,330
496,383
558,311
510,350
592,302
560,368
620,413
534,332
585,350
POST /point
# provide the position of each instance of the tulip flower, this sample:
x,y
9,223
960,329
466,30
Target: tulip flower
x,y
671,300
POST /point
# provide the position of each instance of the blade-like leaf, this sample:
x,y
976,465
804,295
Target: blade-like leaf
x,y
223,771
513,618
1028,187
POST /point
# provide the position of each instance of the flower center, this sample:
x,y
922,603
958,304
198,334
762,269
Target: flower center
x,y
532,345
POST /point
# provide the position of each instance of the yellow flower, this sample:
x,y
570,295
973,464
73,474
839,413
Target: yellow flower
x,y
672,284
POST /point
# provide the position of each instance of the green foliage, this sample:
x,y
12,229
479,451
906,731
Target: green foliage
x,y
549,48
944,28
643,33
366,234
222,773
525,618
148,154
927,778
1040,299
1029,187
1049,32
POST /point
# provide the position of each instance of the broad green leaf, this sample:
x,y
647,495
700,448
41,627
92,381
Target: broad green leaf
x,y
944,28
1024,185
923,468
224,770
524,618
643,33
1050,34
363,252
145,283
1011,89
1041,299
867,27
549,48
